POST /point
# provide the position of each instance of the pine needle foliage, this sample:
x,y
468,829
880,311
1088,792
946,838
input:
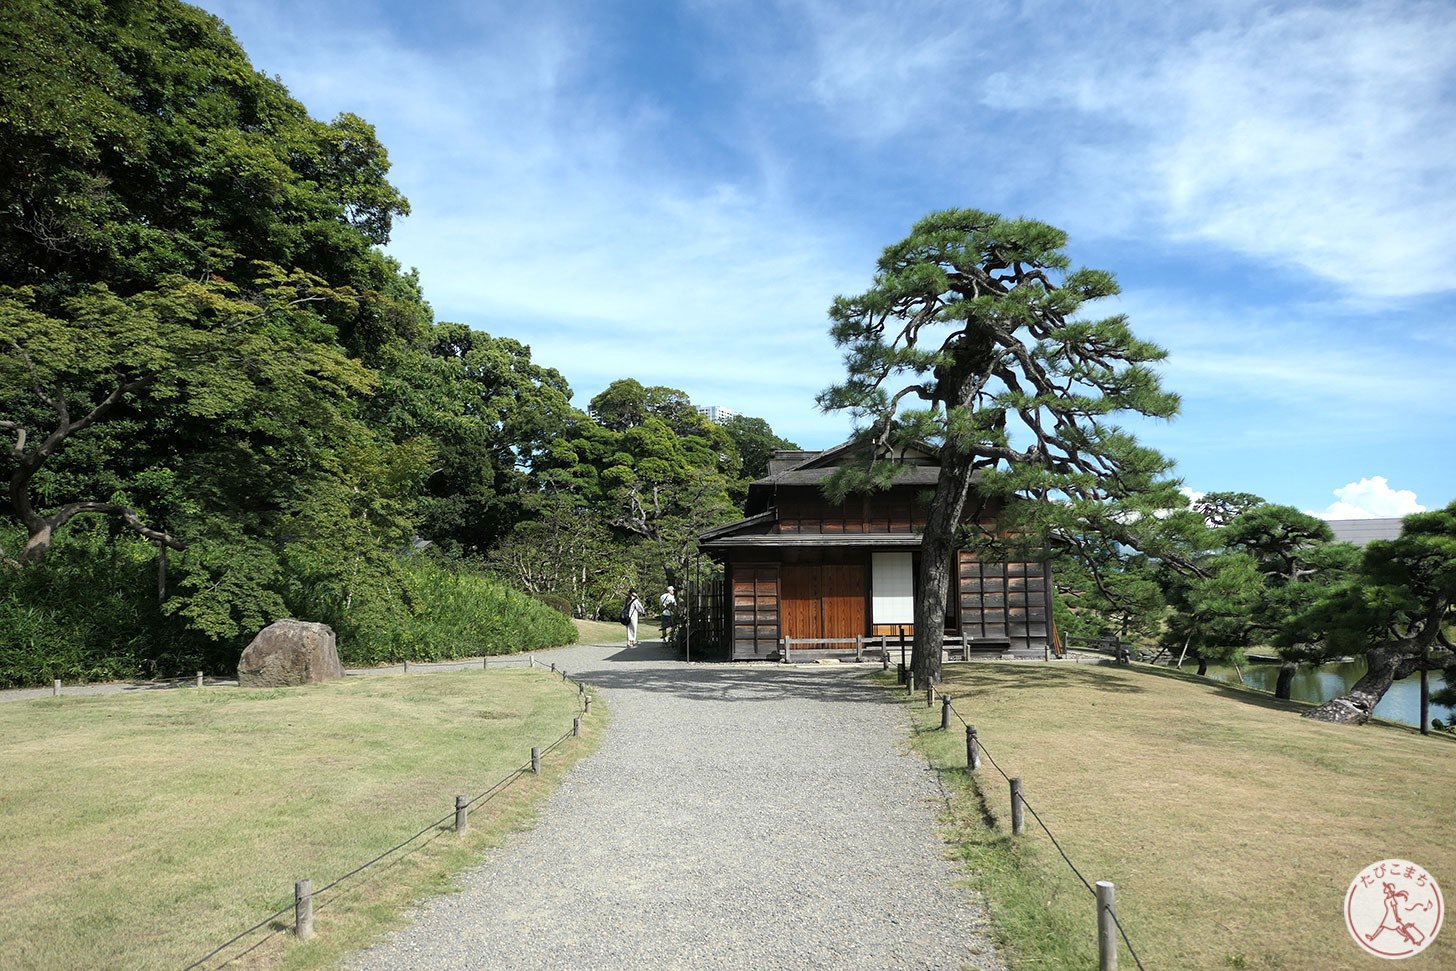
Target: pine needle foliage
x,y
973,338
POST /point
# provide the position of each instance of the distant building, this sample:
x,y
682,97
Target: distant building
x,y
1362,531
716,414
827,574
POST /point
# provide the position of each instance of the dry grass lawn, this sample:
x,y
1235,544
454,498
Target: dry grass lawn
x,y
1231,827
141,831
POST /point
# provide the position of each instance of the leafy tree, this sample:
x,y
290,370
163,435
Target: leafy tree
x,y
491,414
566,550
1213,609
191,298
657,472
978,316
756,442
1396,612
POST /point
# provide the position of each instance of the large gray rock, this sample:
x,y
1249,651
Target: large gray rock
x,y
289,652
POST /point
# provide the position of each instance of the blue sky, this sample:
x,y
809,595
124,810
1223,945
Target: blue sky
x,y
676,191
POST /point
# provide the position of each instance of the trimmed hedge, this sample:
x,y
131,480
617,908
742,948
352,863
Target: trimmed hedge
x,y
90,613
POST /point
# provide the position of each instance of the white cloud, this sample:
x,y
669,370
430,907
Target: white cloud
x,y
1371,498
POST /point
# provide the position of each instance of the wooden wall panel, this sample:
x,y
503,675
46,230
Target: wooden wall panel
x,y
1004,600
843,595
755,617
801,613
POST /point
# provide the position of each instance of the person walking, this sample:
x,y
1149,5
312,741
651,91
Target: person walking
x,y
669,604
634,609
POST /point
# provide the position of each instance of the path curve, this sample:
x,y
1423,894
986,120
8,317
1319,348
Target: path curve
x,y
737,816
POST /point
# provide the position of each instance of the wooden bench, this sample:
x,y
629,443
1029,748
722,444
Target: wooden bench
x,y
963,648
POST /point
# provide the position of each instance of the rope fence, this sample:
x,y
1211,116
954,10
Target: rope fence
x,y
306,898
1103,892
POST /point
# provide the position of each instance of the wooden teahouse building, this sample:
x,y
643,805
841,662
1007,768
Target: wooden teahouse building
x,y
828,575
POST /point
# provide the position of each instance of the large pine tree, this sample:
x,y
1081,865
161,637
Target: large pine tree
x,y
974,320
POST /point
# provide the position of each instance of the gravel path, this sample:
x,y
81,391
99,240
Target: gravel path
x,y
737,816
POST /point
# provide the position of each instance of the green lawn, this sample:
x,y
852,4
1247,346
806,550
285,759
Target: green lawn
x,y
1231,827
612,632
143,830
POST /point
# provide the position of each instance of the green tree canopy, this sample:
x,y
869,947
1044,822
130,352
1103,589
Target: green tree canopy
x,y
192,311
1396,611
975,320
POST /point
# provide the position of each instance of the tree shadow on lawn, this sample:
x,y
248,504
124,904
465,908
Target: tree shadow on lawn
x,y
1234,692
975,679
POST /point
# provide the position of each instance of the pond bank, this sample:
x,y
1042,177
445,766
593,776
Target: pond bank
x,y
1320,683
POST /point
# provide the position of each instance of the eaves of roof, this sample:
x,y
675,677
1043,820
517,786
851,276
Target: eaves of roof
x,y
801,540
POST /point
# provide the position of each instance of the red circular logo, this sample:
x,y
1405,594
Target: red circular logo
x,y
1394,909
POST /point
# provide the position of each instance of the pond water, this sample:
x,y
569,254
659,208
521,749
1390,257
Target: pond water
x,y
1402,703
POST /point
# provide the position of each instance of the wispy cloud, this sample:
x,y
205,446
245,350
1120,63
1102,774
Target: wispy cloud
x,y
552,203
1314,135
677,198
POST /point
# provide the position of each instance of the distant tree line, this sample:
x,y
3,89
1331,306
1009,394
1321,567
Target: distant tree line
x,y
1249,574
222,403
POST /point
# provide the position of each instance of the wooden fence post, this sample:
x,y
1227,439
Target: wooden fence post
x,y
553,667
909,681
1018,809
587,706
1106,926
303,909
576,727
929,695
484,663
945,713
406,665
536,759
973,751
56,689
462,813
199,679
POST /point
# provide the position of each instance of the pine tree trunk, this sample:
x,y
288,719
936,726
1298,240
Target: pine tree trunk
x,y
1385,666
937,552
1284,687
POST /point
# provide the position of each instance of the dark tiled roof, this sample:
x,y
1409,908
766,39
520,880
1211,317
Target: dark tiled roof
x,y
921,475
901,540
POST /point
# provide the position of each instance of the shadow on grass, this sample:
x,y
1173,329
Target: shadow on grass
x,y
978,679
1234,692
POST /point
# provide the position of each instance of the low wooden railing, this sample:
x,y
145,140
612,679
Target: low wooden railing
x,y
956,647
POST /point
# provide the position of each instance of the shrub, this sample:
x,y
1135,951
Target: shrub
x,y
457,612
89,612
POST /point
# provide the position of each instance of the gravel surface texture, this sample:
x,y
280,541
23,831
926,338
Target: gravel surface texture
x,y
737,816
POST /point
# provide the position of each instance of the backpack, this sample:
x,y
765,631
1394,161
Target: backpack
x,y
626,617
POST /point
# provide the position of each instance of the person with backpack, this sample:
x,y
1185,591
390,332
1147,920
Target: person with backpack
x,y
632,609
